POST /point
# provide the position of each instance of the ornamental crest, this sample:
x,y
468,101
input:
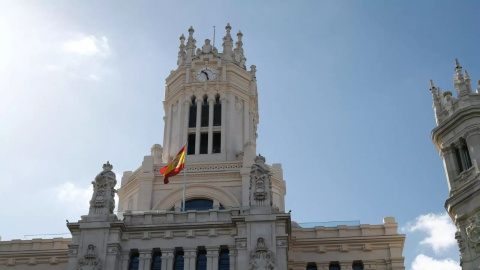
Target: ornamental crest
x,y
260,183
261,258
473,232
90,261
103,201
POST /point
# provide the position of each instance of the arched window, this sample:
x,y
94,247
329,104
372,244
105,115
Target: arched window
x,y
156,261
201,260
217,112
134,261
179,260
198,204
357,266
311,266
224,260
205,112
334,266
192,119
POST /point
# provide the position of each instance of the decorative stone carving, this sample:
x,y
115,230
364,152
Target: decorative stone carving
x,y
90,261
207,47
103,199
260,183
241,245
238,105
261,258
473,232
461,244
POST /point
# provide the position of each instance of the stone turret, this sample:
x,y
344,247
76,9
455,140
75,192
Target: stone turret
x,y
457,138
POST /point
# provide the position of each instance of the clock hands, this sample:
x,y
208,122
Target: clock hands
x,y
206,74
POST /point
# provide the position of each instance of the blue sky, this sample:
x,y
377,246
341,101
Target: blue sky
x,y
343,99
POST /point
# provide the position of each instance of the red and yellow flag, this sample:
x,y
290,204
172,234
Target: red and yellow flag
x,y
175,166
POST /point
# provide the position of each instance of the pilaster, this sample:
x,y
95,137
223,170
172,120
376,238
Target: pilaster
x,y
212,258
190,256
232,253
145,259
167,258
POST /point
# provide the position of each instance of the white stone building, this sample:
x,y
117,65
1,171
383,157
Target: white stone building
x,y
457,139
235,202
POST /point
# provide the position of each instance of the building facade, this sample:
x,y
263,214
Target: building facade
x,y
234,214
457,139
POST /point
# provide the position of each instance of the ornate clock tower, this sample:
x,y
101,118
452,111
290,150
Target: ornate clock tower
x,y
457,138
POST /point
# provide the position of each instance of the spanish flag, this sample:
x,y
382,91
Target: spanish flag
x,y
175,166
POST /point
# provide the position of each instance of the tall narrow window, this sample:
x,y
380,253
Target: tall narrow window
x,y
216,142
134,261
224,260
357,266
334,266
203,143
205,112
217,112
179,260
466,157
157,261
192,118
463,156
191,144
311,266
201,260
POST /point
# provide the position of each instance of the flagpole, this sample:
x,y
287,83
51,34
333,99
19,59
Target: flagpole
x,y
185,176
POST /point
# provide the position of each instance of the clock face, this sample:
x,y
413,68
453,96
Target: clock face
x,y
206,74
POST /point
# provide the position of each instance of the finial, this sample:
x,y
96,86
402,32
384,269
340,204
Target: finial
x,y
239,34
191,30
107,166
432,86
457,64
228,27
182,38
467,77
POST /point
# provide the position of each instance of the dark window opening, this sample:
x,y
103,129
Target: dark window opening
x,y
198,204
224,260
201,260
203,143
463,157
217,112
205,112
216,143
134,261
157,261
192,119
357,266
334,266
191,144
179,261
311,267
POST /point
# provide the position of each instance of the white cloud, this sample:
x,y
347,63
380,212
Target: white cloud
x,y
77,197
93,77
423,262
439,228
88,46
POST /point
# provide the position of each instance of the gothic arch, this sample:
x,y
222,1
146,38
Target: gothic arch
x,y
197,191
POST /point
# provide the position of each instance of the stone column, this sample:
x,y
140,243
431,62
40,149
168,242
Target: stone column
x,y
184,126
346,265
189,258
168,128
473,143
232,253
211,102
167,258
223,102
212,258
125,260
145,259
450,165
199,102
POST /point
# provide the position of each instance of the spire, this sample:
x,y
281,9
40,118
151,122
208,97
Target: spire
x,y
181,52
227,44
238,51
432,86
190,44
458,71
468,82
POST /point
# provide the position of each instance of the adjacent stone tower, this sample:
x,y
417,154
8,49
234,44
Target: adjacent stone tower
x,y
457,138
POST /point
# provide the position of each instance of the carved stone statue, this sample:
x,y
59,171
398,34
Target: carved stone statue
x,y
261,258
260,183
103,199
90,261
207,48
473,232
